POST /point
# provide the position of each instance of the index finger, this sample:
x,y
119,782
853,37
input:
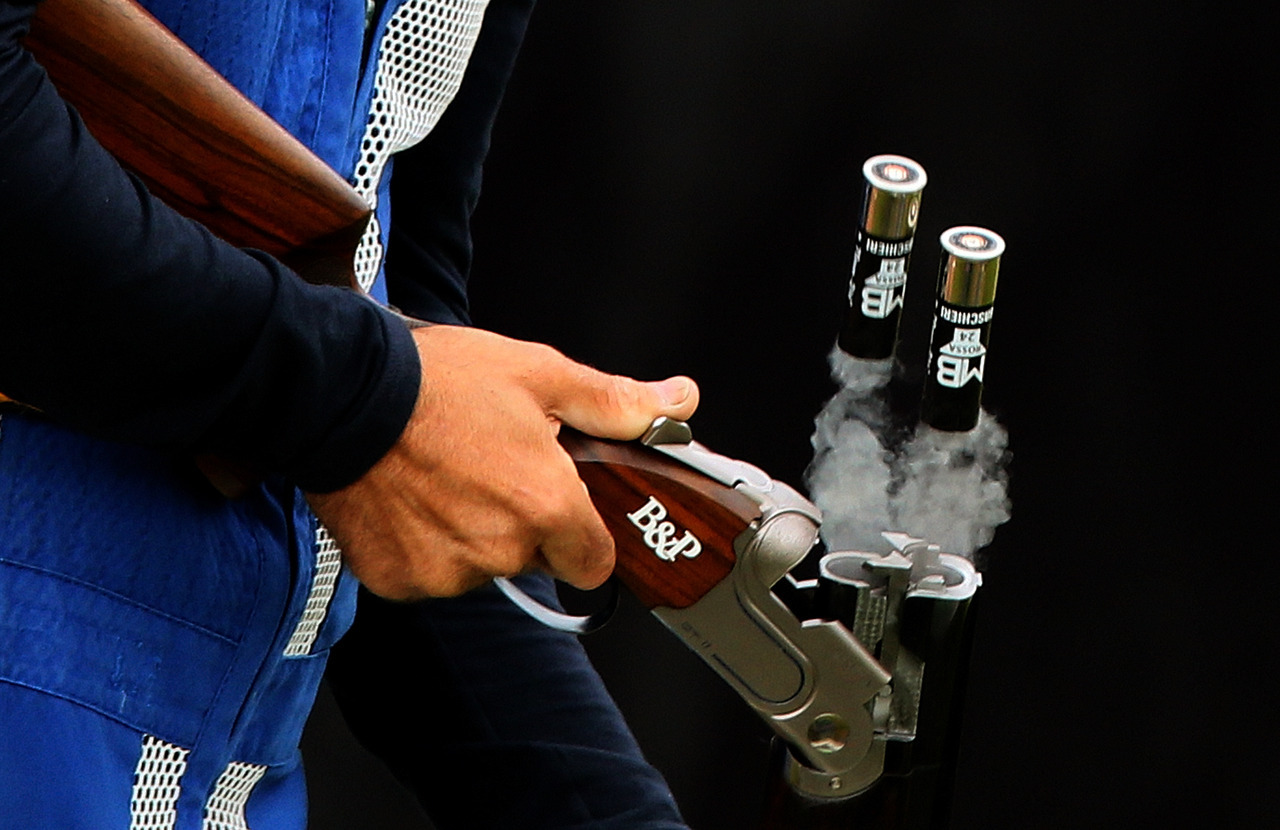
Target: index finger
x,y
577,547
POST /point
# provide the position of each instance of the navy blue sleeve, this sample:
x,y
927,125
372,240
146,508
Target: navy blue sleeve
x,y
123,319
436,184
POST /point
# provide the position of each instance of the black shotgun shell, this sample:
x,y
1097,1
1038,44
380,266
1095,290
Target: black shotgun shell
x,y
890,210
952,396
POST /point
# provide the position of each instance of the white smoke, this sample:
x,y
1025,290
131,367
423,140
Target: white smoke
x,y
852,470
947,487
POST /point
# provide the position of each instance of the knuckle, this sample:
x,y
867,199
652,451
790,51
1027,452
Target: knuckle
x,y
602,561
549,508
544,356
617,395
510,560
594,566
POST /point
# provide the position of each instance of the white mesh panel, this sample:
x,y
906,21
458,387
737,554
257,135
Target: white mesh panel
x,y
225,807
420,64
324,578
157,782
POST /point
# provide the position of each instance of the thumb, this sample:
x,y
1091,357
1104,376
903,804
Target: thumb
x,y
613,406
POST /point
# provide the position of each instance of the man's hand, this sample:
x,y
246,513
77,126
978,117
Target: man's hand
x,y
477,485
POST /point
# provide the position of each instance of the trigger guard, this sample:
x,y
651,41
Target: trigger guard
x,y
559,620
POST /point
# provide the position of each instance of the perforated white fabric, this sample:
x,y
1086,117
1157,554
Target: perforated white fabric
x,y
225,808
157,782
421,61
324,578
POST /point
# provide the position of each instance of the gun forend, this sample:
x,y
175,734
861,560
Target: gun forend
x,y
701,539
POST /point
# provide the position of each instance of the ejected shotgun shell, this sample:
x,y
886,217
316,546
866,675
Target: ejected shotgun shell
x,y
961,328
879,279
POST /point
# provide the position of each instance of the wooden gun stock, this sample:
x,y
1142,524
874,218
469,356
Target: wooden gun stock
x,y
199,144
622,477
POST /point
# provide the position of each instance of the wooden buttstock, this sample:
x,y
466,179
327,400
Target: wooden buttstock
x,y
622,478
199,144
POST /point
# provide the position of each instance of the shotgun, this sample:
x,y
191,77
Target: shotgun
x,y
834,664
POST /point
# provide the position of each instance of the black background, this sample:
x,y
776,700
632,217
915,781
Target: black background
x,y
673,189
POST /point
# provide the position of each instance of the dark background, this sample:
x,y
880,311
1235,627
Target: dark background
x,y
674,188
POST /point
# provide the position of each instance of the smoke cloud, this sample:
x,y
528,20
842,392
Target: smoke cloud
x,y
870,474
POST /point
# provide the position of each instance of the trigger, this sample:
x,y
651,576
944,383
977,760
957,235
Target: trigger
x,y
559,620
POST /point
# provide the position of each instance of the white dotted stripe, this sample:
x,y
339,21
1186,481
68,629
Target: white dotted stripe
x,y
421,61
157,783
225,808
328,566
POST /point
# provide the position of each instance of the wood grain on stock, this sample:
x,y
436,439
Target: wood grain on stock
x,y
621,477
199,144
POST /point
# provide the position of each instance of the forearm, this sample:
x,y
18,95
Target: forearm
x,y
124,319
